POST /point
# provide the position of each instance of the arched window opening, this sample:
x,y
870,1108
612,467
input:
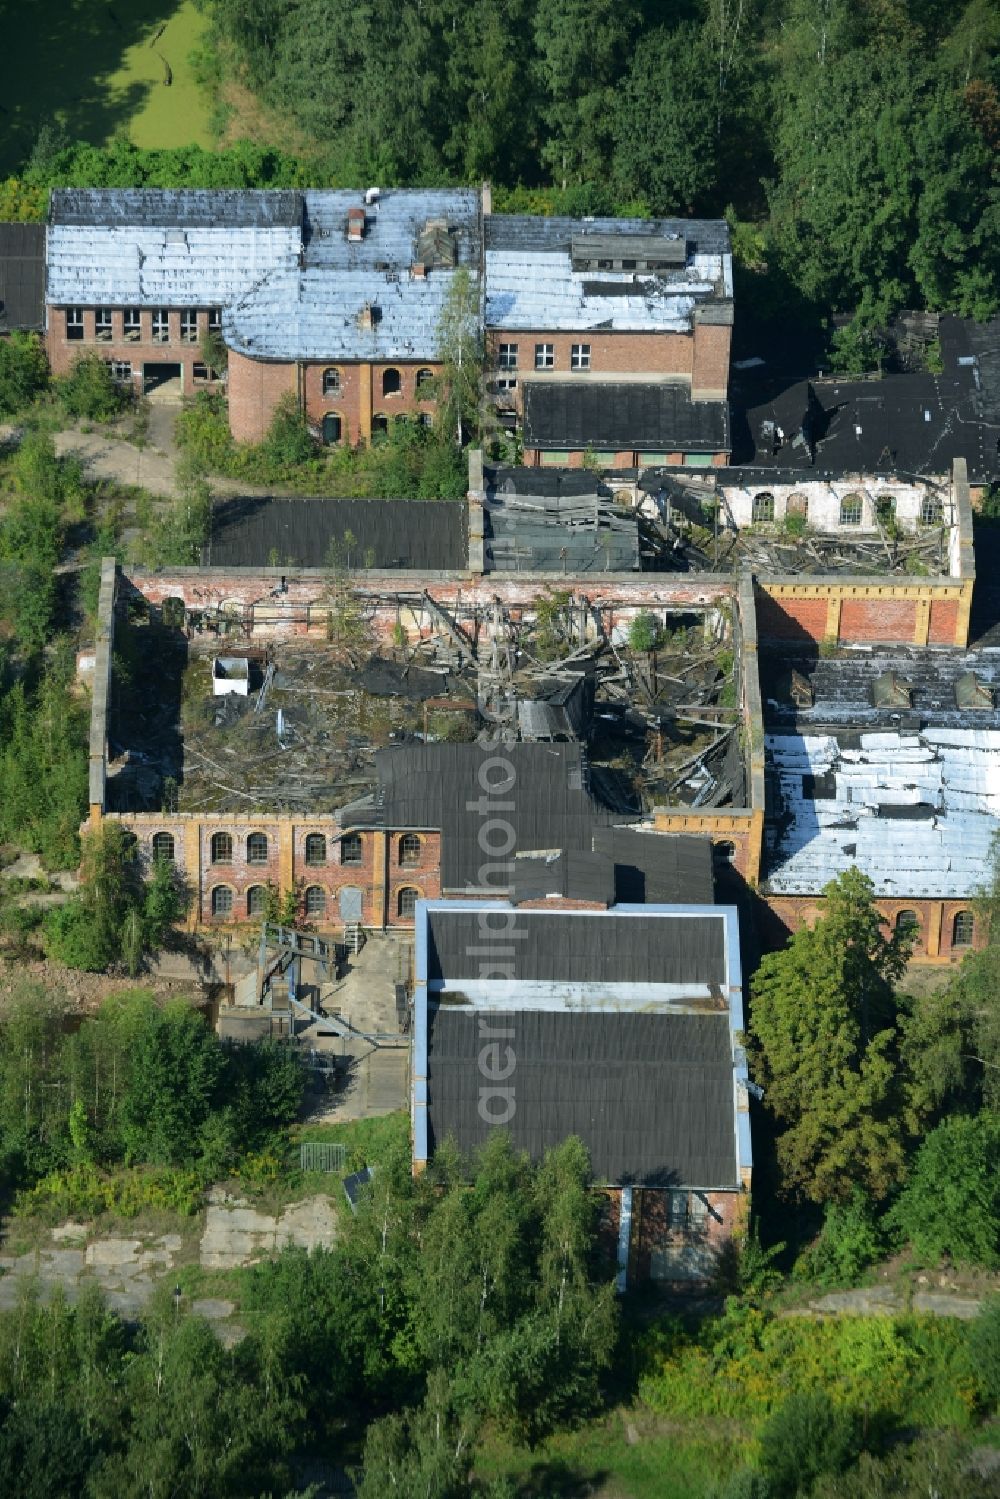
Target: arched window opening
x,y
331,382
257,848
315,848
256,900
907,923
763,508
409,849
724,852
351,849
963,929
406,903
222,901
392,382
222,848
852,509
425,384
163,847
315,901
380,425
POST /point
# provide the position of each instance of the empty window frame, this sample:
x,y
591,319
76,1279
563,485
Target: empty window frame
x,y
161,325
189,326
222,848
409,850
507,357
798,504
74,323
331,382
392,382
256,900
380,424
201,372
351,849
315,848
907,923
425,419
121,372
215,320
425,384
257,848
885,509
333,428
132,324
579,357
762,510
930,511
222,900
163,848
315,901
963,929
506,383
852,509
677,1210
102,324
406,902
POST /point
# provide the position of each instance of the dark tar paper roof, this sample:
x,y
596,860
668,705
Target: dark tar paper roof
x,y
658,417
429,534
22,277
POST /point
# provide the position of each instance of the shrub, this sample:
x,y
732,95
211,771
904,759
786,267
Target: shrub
x,y
83,1190
951,1204
288,442
644,633
984,1352
807,1435
849,1242
24,372
203,431
89,390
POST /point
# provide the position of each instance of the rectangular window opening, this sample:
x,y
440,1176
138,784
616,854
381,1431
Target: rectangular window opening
x,y
545,356
580,357
74,323
102,324
132,324
507,357
161,325
189,326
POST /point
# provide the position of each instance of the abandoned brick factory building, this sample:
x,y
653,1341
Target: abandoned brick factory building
x,y
611,334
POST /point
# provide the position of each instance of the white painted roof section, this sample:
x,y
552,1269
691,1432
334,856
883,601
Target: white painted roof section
x,y
312,310
173,248
531,283
950,778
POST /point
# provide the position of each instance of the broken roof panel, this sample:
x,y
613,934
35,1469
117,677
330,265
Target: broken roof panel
x,y
538,278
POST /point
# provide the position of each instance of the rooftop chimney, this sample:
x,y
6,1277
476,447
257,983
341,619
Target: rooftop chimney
x,y
367,317
355,225
487,199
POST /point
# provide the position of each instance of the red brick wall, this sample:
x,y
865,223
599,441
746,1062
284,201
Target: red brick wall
x,y
790,618
710,375
353,394
255,387
935,923
944,622
878,619
610,353
63,352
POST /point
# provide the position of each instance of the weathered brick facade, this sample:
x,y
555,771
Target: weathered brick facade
x,y
354,391
935,932
380,871
664,1252
935,612
137,352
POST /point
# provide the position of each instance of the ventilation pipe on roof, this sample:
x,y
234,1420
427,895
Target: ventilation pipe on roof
x,y
372,196
487,199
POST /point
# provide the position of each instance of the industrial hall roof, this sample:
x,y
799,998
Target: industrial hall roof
x,y
166,248
617,275
621,1025
427,534
22,277
548,806
579,530
908,791
378,296
657,417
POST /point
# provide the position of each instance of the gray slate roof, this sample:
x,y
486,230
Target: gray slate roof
x,y
650,1095
428,786
656,868
166,248
298,532
310,310
657,417
22,276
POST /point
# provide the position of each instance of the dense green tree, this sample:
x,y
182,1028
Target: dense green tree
x,y
177,1066
43,769
951,1202
665,139
24,372
581,50
461,353
822,1040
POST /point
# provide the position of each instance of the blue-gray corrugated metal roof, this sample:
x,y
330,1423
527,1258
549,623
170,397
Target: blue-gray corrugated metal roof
x,y
312,311
175,208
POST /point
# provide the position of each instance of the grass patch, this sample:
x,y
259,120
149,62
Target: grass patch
x,y
88,67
